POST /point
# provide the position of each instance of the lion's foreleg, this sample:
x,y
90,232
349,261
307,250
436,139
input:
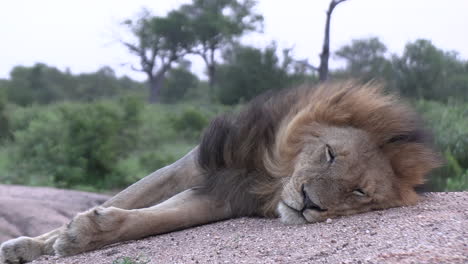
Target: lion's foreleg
x,y
160,185
102,226
23,249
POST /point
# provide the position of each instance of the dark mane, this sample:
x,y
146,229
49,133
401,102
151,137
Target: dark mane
x,y
234,140
232,147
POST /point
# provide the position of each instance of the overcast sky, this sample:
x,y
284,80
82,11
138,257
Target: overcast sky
x,y
82,35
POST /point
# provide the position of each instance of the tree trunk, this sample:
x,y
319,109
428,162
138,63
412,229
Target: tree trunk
x,y
211,66
211,80
155,85
325,55
211,76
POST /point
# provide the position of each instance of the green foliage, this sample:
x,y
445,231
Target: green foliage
x,y
78,144
190,123
159,42
163,36
99,145
35,84
426,72
41,84
365,59
448,122
214,24
129,260
178,82
4,119
423,71
248,71
101,84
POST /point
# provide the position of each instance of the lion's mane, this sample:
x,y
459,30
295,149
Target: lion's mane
x,y
247,155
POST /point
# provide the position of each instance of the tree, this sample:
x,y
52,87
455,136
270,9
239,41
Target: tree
x,y
160,41
215,23
365,59
424,71
37,84
248,72
92,86
42,84
322,69
325,55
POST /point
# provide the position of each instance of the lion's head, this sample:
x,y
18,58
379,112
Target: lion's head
x,y
347,149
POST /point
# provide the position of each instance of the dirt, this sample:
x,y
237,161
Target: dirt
x,y
434,231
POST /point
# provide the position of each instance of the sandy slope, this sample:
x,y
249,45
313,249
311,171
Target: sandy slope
x,y
435,231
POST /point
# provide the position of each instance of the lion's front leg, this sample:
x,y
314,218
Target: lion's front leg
x,y
24,249
90,230
103,226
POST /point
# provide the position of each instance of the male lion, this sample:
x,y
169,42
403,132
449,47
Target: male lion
x,y
303,155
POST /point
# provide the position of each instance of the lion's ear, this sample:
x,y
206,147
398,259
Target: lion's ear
x,y
414,136
410,162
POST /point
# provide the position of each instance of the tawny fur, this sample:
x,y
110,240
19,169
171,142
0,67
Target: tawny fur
x,y
367,107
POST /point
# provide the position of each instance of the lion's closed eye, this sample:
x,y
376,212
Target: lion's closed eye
x,y
329,154
359,192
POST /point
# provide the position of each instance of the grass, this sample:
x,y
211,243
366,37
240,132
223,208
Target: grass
x,y
130,260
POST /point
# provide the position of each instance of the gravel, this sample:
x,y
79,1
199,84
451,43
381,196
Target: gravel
x,y
434,231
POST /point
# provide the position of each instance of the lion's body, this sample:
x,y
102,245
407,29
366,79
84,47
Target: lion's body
x,y
304,155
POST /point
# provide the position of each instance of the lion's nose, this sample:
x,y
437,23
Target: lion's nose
x,y
308,204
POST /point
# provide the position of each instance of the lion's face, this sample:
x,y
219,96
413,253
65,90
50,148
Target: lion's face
x,y
339,171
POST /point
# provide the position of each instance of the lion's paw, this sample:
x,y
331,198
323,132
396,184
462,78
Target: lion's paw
x,y
89,230
20,250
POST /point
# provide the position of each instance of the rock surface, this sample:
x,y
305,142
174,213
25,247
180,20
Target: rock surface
x,y
31,211
434,231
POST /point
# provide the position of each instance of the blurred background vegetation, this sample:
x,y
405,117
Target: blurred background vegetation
x,y
98,132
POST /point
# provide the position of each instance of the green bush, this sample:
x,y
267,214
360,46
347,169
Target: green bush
x,y
4,120
78,144
190,123
248,72
155,160
101,145
450,127
178,82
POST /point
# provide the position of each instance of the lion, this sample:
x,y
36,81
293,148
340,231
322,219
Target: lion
x,y
303,155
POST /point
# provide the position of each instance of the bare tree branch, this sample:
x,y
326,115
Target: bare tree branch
x,y
137,69
307,65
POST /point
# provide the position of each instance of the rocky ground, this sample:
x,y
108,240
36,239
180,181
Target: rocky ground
x,y
31,211
434,231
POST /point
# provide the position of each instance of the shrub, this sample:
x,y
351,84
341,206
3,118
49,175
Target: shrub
x,y
155,160
178,82
4,120
78,144
249,72
189,123
448,122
